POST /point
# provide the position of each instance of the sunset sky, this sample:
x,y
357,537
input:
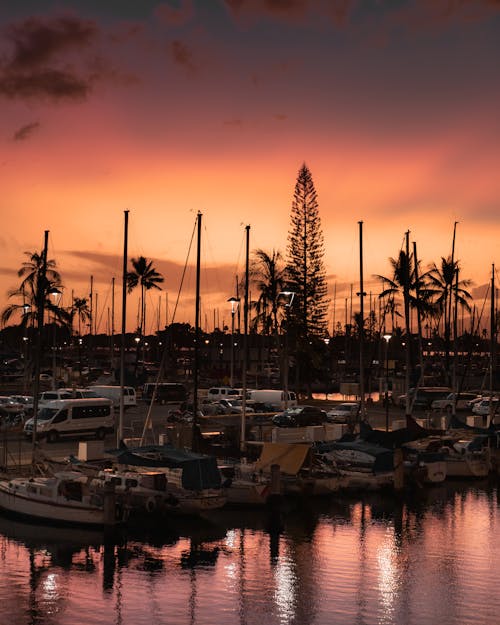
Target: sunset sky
x,y
170,108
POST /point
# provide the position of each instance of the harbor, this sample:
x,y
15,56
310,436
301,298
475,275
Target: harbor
x,y
364,559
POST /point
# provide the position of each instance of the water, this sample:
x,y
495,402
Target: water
x,y
432,559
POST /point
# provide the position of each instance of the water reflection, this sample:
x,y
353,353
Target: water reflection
x,y
429,558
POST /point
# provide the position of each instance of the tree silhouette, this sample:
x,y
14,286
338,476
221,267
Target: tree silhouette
x,y
145,275
305,265
34,290
80,309
445,287
267,272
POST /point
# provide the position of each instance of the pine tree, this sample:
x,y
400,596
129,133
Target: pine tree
x,y
305,266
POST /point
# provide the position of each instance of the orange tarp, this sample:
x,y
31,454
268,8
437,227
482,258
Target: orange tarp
x,y
289,456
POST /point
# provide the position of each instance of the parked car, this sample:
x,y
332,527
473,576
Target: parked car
x,y
66,393
423,397
25,400
165,392
234,406
9,406
482,407
343,413
461,402
300,416
216,393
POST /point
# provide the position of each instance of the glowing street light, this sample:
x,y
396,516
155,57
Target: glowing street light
x,y
288,296
234,301
387,338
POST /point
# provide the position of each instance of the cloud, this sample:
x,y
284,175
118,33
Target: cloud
x,y
409,14
48,59
176,16
37,41
52,83
233,122
338,11
26,131
283,8
104,266
183,56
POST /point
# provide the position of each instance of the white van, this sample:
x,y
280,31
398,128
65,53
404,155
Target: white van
x,y
222,392
65,393
273,398
114,392
72,417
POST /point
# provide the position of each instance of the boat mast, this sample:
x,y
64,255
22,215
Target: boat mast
x,y
119,429
112,327
452,311
492,344
41,292
196,332
245,345
361,294
419,318
406,297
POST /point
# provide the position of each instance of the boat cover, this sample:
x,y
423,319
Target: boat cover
x,y
383,458
290,457
198,470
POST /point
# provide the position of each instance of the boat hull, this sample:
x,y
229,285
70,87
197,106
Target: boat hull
x,y
57,510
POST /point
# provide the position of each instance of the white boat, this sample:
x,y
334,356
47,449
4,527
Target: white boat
x,y
462,461
64,498
300,473
365,481
140,492
243,490
421,466
153,492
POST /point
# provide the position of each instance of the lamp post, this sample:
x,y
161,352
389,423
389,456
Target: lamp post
x,y
137,340
288,296
26,311
234,301
55,294
387,338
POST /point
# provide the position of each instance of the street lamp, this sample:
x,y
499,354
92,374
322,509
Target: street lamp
x,y
137,340
288,297
55,294
26,311
387,338
234,301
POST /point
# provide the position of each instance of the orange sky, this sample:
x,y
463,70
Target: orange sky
x,y
166,109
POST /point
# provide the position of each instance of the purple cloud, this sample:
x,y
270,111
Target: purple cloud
x,y
175,16
26,131
183,56
37,41
38,66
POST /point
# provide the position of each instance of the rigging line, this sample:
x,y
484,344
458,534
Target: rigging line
x,y
209,247
184,272
240,252
103,307
479,319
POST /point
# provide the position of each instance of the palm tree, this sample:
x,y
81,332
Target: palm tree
x,y
404,283
81,310
35,289
445,288
267,272
145,275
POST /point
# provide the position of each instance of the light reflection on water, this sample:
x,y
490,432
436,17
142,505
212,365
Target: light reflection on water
x,y
431,559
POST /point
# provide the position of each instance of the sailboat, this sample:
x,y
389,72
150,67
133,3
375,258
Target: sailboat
x,y
195,477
